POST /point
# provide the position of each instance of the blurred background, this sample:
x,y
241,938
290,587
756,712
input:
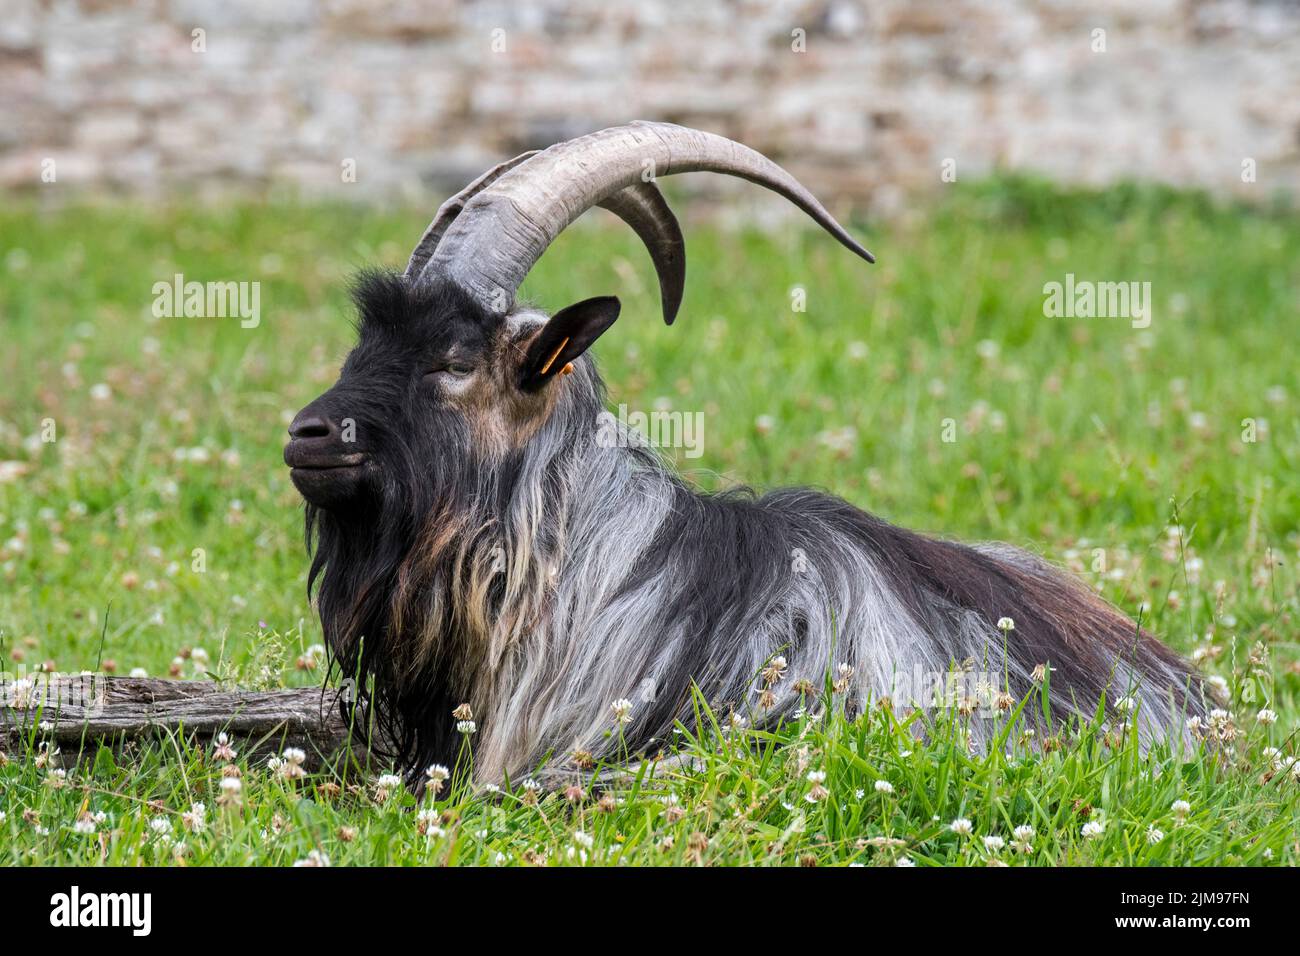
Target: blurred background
x,y
864,100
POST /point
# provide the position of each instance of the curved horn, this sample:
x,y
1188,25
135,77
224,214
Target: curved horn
x,y
642,206
507,226
449,210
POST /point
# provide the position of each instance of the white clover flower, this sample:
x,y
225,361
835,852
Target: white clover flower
x,y
904,861
231,788
437,775
290,765
466,727
817,792
1006,624
994,843
426,823
1154,835
1181,808
622,709
1267,717
84,824
1023,832
195,819
314,858
775,670
583,839
222,749
23,695
843,678
962,827
1093,829
884,786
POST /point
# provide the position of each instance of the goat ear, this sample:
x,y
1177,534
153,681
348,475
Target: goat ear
x,y
567,335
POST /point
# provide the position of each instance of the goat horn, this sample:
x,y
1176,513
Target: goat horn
x,y
640,205
449,210
505,227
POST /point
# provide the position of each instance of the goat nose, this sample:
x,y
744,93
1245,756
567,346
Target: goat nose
x,y
311,426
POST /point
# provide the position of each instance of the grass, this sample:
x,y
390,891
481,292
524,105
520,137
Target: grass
x,y
159,530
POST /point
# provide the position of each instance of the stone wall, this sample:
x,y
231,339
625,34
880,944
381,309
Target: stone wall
x,y
863,100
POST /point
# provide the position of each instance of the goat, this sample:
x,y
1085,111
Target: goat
x,y
477,543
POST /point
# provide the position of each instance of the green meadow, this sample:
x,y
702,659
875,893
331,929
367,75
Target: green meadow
x,y
147,522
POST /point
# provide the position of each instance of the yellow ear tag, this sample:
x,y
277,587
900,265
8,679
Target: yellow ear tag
x,y
554,355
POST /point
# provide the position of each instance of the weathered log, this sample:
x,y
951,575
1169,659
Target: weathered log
x,y
81,712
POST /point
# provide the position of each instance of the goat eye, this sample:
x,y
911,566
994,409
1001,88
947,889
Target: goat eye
x,y
454,369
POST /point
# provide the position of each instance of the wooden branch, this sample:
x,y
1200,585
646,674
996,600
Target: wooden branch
x,y
82,712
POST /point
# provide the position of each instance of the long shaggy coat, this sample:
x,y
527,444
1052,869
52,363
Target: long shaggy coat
x,y
546,578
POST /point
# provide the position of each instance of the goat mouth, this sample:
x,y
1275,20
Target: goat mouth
x,y
328,466
327,481
300,458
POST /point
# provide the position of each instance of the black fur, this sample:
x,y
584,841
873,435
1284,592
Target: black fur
x,y
381,563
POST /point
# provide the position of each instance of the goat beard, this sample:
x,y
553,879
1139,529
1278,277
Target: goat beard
x,y
378,575
415,611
